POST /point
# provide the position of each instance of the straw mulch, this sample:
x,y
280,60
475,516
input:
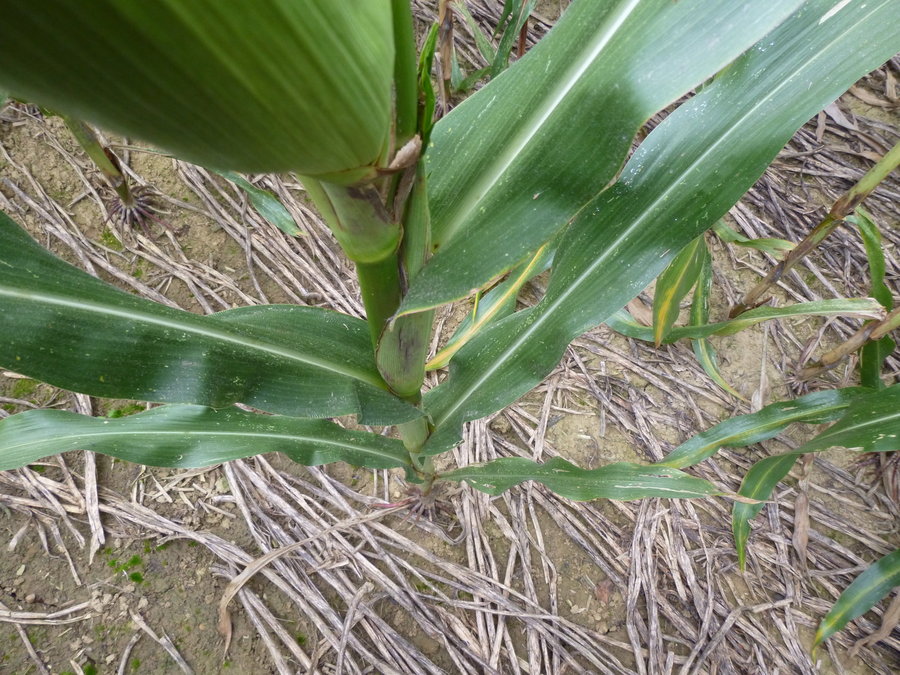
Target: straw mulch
x,y
522,583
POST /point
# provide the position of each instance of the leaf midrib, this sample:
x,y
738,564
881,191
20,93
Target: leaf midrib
x,y
530,330
847,605
739,436
538,117
109,435
837,433
188,326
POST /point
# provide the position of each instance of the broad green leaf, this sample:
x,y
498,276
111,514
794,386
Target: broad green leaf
x,y
703,350
494,305
265,203
757,484
744,430
675,283
685,175
243,85
872,241
514,162
621,480
879,579
63,326
624,323
774,247
192,436
871,424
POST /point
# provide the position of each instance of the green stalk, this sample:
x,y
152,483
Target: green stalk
x,y
403,345
379,284
388,254
414,434
359,222
842,208
363,226
103,159
370,238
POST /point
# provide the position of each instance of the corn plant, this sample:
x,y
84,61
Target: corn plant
x,y
526,174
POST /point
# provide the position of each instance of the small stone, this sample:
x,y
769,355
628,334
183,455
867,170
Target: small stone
x,y
20,571
501,425
29,598
142,603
